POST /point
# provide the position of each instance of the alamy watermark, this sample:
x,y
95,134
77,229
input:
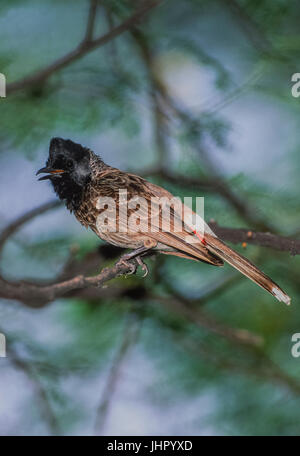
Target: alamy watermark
x,y
296,87
2,86
152,215
295,350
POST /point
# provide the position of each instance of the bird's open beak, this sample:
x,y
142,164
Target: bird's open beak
x,y
50,172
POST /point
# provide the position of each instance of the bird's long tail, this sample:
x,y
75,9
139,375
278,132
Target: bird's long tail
x,y
217,247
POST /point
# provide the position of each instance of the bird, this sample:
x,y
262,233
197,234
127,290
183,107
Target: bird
x,y
81,179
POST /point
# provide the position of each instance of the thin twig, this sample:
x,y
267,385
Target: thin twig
x,y
238,235
91,21
82,49
16,224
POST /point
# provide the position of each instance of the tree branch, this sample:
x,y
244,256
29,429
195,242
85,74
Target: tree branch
x,y
91,21
28,216
35,295
238,235
82,49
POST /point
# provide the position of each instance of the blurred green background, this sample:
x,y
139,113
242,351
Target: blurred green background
x,y
196,97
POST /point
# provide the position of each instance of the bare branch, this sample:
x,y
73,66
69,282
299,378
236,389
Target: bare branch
x,y
82,49
237,235
28,216
35,295
91,21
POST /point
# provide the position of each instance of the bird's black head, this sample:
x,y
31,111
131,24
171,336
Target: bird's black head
x,y
68,168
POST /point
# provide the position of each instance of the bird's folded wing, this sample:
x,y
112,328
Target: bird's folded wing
x,y
161,219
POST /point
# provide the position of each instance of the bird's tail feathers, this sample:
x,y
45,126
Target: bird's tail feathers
x,y
217,247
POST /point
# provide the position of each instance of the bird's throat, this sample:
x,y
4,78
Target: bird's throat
x,y
68,191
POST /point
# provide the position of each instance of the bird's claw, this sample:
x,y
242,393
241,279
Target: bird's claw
x,y
132,264
132,267
143,266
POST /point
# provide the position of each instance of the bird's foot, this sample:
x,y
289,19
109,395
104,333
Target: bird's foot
x,y
130,264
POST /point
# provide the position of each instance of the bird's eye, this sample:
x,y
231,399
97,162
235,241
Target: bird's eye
x,y
69,164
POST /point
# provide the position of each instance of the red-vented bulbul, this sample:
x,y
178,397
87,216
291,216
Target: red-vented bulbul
x,y
80,178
